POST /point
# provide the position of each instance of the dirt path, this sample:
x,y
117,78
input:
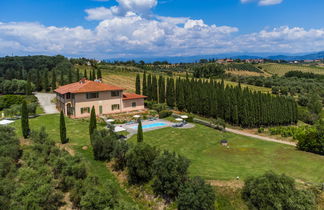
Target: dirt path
x,y
45,100
259,137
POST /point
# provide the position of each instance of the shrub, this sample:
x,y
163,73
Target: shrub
x,y
165,113
195,194
7,101
272,191
312,140
170,172
103,142
9,143
261,130
139,163
159,107
119,154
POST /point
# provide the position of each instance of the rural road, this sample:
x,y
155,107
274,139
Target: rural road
x,y
45,100
259,137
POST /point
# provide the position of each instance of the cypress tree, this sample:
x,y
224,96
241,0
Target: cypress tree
x,y
140,132
181,100
46,83
24,120
94,74
85,74
28,88
144,84
99,76
138,84
93,121
78,75
38,81
154,88
149,87
161,89
64,140
53,80
62,78
70,76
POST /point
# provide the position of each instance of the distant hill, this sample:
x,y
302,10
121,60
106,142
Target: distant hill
x,y
192,59
313,56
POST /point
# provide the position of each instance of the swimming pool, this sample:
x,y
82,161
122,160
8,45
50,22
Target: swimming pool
x,y
151,125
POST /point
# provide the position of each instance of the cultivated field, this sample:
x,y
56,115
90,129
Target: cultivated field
x,y
245,156
127,80
281,69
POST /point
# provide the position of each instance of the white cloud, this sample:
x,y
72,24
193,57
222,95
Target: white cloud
x,y
263,2
269,2
140,7
123,31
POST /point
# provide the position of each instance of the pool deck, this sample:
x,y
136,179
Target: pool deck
x,y
132,131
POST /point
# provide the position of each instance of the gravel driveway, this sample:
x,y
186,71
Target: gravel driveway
x,y
259,137
45,100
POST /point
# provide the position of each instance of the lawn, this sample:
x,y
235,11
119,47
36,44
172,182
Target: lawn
x,y
245,156
78,132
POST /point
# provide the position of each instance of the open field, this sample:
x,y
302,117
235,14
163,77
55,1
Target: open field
x,y
77,131
245,156
281,69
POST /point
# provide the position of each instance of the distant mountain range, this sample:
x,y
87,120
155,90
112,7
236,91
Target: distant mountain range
x,y
190,59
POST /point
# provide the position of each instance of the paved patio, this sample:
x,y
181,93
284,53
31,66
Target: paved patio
x,y
132,128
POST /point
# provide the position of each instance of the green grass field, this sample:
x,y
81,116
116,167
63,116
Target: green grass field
x,y
245,156
78,132
281,69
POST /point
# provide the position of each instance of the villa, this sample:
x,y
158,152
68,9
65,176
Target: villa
x,y
77,99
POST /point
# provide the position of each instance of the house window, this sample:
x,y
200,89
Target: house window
x,y
85,110
133,104
92,95
68,95
72,96
115,107
114,93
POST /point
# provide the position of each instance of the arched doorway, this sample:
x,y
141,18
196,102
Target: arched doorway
x,y
70,109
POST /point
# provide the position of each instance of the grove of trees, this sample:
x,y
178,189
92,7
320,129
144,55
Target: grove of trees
x,y
236,105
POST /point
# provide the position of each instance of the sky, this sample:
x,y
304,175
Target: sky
x,y
106,29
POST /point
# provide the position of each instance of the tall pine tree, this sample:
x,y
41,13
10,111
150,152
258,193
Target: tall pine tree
x,y
161,89
38,81
24,120
85,74
45,81
99,76
78,75
64,140
62,82
144,86
140,131
154,89
28,89
149,87
70,76
53,80
138,84
93,121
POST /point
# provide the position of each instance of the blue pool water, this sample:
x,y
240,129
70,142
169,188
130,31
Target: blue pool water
x,y
151,125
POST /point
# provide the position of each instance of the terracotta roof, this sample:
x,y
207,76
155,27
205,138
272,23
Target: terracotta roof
x,y
86,86
129,96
